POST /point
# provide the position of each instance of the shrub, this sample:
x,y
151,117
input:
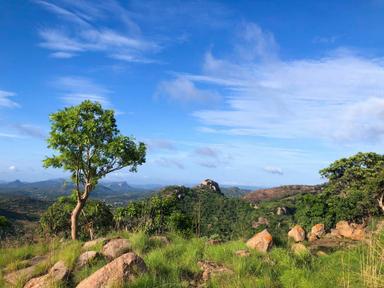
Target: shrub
x,y
96,218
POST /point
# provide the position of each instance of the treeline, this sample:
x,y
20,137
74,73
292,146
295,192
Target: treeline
x,y
353,192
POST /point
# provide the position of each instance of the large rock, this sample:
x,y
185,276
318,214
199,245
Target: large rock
x,y
242,253
116,247
317,232
260,221
118,272
211,268
297,233
261,241
211,185
89,244
24,274
58,272
86,258
351,231
299,249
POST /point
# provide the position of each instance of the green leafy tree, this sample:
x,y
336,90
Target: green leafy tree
x,y
362,172
90,146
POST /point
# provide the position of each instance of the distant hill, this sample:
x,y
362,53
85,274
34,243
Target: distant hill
x,y
49,190
281,192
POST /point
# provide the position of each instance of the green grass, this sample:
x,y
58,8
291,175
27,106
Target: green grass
x,y
175,264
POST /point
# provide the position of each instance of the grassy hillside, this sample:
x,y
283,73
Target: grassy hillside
x,y
176,264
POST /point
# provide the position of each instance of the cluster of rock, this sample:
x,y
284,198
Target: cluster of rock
x,y
124,266
343,229
263,240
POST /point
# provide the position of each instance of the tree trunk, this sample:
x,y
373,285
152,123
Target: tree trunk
x,y
75,216
381,202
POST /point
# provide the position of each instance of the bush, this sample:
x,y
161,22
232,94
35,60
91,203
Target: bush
x,y
96,218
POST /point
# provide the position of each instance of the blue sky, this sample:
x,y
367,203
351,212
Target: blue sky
x,y
243,92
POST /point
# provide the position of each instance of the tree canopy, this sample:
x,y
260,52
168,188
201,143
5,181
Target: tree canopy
x,y
90,146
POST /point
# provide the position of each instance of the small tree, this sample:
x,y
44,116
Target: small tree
x,y
90,146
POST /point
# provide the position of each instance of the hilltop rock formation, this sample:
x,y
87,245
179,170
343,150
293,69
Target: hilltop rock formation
x,y
210,184
281,192
297,233
121,270
261,241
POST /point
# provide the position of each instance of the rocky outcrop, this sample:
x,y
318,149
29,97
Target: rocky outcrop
x,y
261,241
351,231
211,268
86,258
210,184
259,222
297,233
118,272
89,244
281,192
281,211
24,274
242,253
299,249
115,248
162,239
317,232
58,272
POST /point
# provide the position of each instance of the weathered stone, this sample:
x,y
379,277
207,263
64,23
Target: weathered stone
x,y
116,247
211,268
321,253
317,232
89,244
297,233
259,222
299,249
24,274
351,231
162,239
86,258
261,241
211,185
123,269
213,241
242,253
57,273
281,211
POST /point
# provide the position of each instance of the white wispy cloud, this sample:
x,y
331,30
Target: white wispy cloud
x,y
5,100
184,90
12,168
338,96
169,163
273,170
86,30
77,89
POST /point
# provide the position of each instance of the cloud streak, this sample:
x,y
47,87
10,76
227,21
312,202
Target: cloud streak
x,y
77,89
5,100
85,30
337,97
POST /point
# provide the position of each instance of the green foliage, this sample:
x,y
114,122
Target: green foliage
x,y
6,227
89,143
351,193
95,218
188,211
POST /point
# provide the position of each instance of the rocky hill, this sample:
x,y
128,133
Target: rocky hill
x,y
280,192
